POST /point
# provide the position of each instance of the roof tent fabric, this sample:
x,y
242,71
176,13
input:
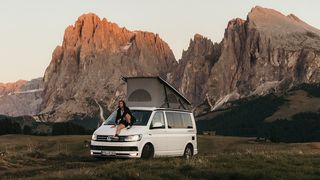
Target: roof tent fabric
x,y
153,92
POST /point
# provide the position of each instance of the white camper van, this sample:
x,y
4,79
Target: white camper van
x,y
163,127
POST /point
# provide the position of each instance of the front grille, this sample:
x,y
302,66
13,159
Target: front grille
x,y
115,148
106,138
103,138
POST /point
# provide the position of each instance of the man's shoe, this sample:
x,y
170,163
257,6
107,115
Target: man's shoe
x,y
128,127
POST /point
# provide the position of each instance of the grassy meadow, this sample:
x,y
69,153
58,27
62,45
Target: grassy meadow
x,y
67,157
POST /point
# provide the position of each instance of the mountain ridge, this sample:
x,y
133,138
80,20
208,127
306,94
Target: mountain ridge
x,y
21,98
267,52
87,68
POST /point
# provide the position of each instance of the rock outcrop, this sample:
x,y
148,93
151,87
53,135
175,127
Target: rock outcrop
x,y
266,52
88,66
7,88
192,75
21,98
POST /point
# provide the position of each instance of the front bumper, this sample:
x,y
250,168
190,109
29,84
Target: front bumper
x,y
115,149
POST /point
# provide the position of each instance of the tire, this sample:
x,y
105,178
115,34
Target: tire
x,y
188,152
147,151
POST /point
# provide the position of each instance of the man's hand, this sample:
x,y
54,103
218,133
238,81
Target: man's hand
x,y
113,126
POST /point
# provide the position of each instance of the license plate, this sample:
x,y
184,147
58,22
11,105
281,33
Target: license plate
x,y
108,153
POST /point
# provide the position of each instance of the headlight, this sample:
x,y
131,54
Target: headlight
x,y
94,137
131,138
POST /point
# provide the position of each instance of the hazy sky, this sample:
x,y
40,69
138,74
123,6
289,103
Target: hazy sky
x,y
31,29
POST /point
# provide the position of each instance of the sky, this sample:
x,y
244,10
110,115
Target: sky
x,y
30,30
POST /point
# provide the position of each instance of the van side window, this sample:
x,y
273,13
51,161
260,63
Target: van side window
x,y
179,120
187,121
158,121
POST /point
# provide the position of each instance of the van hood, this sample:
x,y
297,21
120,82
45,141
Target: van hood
x,y
108,130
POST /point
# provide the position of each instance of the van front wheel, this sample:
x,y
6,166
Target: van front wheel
x,y
188,152
147,151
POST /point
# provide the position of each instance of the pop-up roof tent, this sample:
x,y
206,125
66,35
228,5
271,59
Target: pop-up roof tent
x,y
153,92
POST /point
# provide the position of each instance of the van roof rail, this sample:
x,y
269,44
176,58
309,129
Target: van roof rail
x,y
173,109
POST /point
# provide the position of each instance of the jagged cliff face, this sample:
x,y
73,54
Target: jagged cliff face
x,y
88,66
191,76
267,52
21,98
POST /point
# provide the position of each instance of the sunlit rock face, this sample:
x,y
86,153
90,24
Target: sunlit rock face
x,y
267,52
88,66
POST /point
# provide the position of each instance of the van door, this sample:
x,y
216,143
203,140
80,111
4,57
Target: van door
x,y
157,133
180,131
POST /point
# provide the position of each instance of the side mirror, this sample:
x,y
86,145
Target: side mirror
x,y
157,125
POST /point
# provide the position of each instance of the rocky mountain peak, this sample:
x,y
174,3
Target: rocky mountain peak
x,y
294,17
235,23
262,11
272,21
21,97
198,46
87,68
266,52
89,29
197,37
227,70
7,88
194,67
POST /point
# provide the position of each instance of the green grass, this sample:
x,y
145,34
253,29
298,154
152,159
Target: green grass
x,y
293,117
67,157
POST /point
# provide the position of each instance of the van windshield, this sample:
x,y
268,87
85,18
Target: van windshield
x,y
142,117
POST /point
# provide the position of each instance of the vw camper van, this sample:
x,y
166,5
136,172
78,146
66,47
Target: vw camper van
x,y
156,132
164,126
